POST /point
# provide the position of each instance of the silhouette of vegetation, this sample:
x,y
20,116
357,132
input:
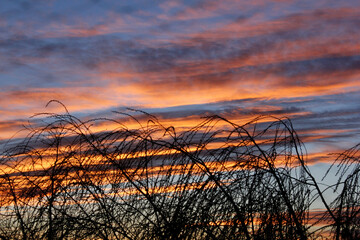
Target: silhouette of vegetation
x,y
217,180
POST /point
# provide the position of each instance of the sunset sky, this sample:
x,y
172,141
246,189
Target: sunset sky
x,y
182,60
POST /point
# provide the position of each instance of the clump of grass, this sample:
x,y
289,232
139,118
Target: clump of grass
x,y
217,180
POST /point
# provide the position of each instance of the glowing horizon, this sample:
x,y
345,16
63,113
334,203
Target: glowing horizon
x,y
183,60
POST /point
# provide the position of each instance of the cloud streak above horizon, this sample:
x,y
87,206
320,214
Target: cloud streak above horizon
x,y
181,60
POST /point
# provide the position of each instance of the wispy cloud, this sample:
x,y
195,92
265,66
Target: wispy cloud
x,y
184,59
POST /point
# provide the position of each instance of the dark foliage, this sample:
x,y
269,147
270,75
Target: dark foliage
x,y
218,180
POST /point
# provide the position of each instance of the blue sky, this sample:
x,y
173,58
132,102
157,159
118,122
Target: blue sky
x,y
183,60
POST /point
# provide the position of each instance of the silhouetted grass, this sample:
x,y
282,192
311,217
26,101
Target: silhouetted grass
x,y
217,180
